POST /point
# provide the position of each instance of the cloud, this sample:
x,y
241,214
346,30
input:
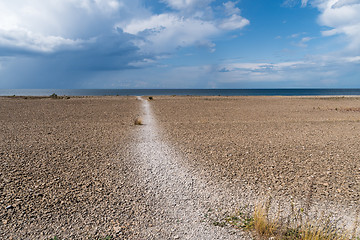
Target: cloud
x,y
303,42
66,43
61,44
166,32
57,43
49,26
304,3
342,17
234,22
293,3
231,9
342,3
71,68
355,59
319,71
52,26
187,4
261,67
34,42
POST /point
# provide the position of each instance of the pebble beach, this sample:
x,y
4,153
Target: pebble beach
x,y
79,168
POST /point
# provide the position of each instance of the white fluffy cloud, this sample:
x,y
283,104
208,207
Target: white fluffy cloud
x,y
21,38
89,37
181,28
343,17
234,22
49,26
166,32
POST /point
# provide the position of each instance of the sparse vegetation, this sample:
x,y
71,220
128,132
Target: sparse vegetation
x,y
263,225
295,226
151,98
54,96
241,220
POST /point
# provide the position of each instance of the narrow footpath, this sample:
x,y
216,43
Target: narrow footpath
x,y
181,198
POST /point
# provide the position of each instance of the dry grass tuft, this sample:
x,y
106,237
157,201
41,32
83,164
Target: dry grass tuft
x,y
296,226
262,224
321,232
323,229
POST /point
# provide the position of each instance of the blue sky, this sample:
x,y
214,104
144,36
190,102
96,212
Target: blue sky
x,y
180,44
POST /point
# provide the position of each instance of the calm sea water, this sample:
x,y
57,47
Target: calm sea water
x,y
194,92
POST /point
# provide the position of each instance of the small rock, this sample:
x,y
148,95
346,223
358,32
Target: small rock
x,y
176,237
117,229
9,207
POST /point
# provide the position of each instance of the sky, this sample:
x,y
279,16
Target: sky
x,y
124,44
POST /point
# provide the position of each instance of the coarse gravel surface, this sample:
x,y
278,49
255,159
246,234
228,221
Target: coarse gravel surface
x,y
79,168
295,149
65,169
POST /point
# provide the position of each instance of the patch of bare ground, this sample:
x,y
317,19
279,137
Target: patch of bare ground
x,y
294,149
65,169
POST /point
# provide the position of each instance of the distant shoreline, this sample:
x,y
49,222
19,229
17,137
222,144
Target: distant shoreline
x,y
183,92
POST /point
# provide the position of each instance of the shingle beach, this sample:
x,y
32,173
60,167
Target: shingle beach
x,y
79,168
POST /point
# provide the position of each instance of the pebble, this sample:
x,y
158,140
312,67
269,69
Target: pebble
x,y
117,229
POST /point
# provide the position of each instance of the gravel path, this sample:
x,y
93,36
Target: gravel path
x,y
182,198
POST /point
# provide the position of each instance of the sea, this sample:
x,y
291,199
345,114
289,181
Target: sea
x,y
191,92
